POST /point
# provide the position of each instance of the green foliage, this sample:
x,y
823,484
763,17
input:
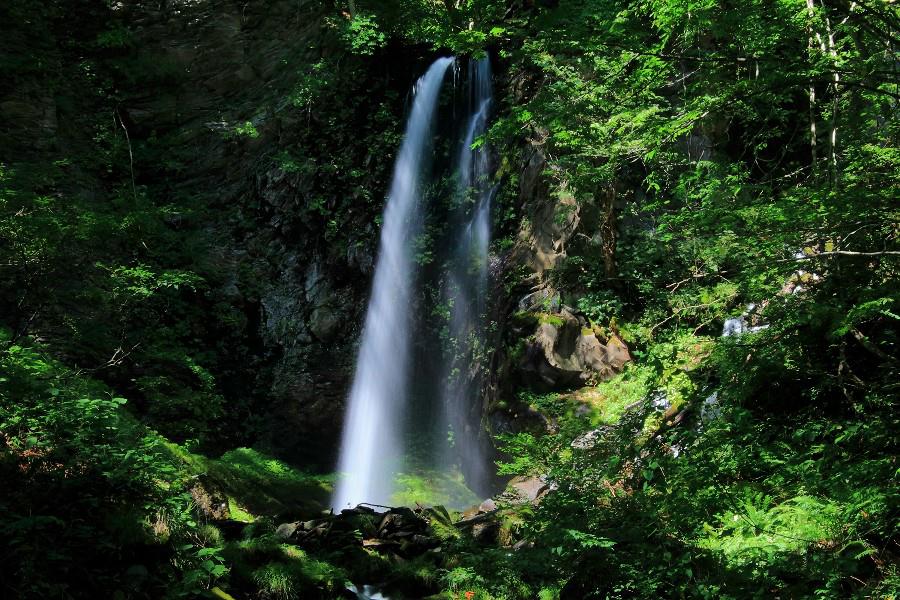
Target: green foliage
x,y
690,113
759,530
276,580
312,84
362,35
245,129
91,493
433,488
258,484
116,37
265,566
600,306
422,248
138,283
683,135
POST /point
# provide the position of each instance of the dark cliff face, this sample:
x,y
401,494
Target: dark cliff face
x,y
239,64
261,150
293,141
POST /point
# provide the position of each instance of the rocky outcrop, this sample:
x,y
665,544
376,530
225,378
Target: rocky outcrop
x,y
551,219
541,344
563,351
527,489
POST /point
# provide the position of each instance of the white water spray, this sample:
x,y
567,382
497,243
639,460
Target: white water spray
x,y
371,448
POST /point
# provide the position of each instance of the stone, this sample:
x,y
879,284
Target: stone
x,y
486,532
543,299
617,354
487,506
522,544
528,489
589,439
323,323
711,408
286,531
563,353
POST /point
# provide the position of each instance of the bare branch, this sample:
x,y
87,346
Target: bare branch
x,y
850,253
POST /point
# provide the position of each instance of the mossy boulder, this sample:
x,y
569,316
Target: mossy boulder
x,y
563,352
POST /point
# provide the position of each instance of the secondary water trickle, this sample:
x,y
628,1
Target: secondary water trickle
x,y
466,289
371,449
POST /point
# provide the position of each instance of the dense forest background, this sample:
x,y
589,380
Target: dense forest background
x,y
189,206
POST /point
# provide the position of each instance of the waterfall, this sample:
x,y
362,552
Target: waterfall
x,y
466,287
371,448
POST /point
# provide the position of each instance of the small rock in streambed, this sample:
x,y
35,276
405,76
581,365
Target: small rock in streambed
x,y
486,532
487,506
589,439
523,544
286,531
528,489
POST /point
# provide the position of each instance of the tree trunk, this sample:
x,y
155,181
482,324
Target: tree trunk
x,y
836,80
452,12
608,232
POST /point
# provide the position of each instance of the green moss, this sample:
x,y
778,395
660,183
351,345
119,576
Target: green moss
x,y
257,484
432,488
554,320
533,319
237,512
607,401
278,570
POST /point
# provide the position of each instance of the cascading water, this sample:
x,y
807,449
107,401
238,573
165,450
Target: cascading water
x,y
466,288
371,447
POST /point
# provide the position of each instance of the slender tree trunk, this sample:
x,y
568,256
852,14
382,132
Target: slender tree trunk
x,y
836,80
813,134
608,232
451,12
812,126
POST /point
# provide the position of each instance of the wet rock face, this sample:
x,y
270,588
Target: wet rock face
x,y
553,348
284,299
551,220
548,352
300,286
309,326
33,113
